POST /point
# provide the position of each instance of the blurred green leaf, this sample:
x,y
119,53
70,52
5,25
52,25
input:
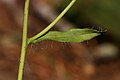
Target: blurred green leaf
x,y
73,35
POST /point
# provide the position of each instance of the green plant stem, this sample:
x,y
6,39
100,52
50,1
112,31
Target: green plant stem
x,y
52,24
24,41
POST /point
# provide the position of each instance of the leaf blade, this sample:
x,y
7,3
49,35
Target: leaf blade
x,y
73,35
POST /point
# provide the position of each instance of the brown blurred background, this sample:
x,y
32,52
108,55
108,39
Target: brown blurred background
x,y
97,59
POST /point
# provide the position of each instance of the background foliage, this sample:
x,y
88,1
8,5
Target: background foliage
x,y
104,13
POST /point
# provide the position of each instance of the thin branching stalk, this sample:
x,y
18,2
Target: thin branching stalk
x,y
53,23
24,41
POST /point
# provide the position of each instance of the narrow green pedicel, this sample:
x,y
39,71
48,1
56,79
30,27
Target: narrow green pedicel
x,y
53,23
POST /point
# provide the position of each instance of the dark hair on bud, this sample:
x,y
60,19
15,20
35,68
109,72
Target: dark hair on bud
x,y
98,28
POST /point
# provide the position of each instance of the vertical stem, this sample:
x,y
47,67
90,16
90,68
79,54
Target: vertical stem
x,y
24,41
